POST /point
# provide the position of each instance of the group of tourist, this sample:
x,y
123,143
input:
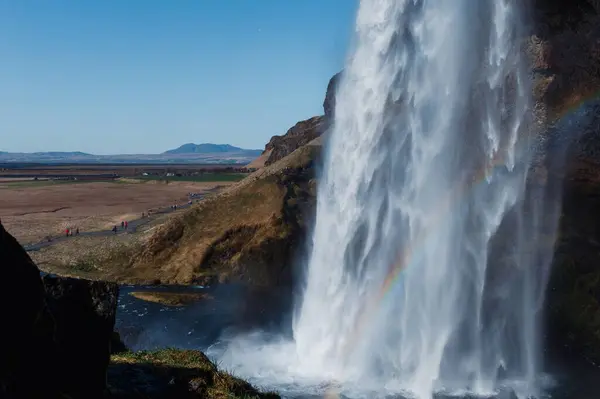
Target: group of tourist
x,y
124,226
69,231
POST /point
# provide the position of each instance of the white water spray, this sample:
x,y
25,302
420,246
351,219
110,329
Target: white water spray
x,y
421,277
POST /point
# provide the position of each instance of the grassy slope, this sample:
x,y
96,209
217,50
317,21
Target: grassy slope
x,y
173,373
242,233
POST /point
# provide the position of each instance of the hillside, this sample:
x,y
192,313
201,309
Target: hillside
x,y
247,233
253,230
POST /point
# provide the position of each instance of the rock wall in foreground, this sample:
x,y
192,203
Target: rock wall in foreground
x,y
56,331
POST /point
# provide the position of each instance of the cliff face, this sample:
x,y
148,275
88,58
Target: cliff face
x,y
565,51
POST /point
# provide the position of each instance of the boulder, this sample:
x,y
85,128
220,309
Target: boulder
x,y
84,312
298,135
27,347
58,331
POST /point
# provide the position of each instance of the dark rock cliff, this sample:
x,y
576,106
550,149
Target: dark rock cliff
x,y
565,51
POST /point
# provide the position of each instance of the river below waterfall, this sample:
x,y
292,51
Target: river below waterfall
x,y
233,310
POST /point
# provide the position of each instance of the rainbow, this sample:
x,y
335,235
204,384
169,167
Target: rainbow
x,y
577,103
459,192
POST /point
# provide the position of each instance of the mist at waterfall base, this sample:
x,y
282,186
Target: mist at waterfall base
x,y
431,250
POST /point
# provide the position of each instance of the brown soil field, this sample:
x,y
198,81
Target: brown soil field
x,y
33,210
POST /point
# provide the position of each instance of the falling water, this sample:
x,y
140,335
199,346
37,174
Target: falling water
x,y
427,161
427,271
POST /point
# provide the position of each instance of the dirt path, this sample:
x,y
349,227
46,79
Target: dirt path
x,y
132,227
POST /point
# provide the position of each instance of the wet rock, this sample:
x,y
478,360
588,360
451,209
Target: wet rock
x,y
565,50
329,102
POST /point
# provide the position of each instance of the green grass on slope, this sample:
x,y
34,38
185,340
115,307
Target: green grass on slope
x,y
143,372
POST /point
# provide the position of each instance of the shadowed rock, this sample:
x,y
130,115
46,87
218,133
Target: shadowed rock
x,y
85,313
57,332
27,347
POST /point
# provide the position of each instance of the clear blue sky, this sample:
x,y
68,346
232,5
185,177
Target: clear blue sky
x,y
145,76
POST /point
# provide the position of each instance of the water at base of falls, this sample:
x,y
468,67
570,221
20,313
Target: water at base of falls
x,y
430,254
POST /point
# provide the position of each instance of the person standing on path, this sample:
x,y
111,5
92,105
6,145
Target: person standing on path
x,y
122,224
126,225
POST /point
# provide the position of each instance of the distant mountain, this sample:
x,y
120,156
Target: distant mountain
x,y
207,148
189,153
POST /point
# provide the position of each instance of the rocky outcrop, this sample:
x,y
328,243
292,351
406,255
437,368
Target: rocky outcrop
x,y
58,332
302,132
27,346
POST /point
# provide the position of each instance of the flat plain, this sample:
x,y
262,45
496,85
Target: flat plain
x,y
32,208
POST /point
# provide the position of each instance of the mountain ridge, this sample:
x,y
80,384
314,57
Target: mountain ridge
x,y
190,152
207,148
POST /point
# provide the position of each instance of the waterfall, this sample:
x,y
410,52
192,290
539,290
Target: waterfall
x,y
431,250
426,165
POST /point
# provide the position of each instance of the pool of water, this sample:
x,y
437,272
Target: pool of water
x,y
228,310
231,311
